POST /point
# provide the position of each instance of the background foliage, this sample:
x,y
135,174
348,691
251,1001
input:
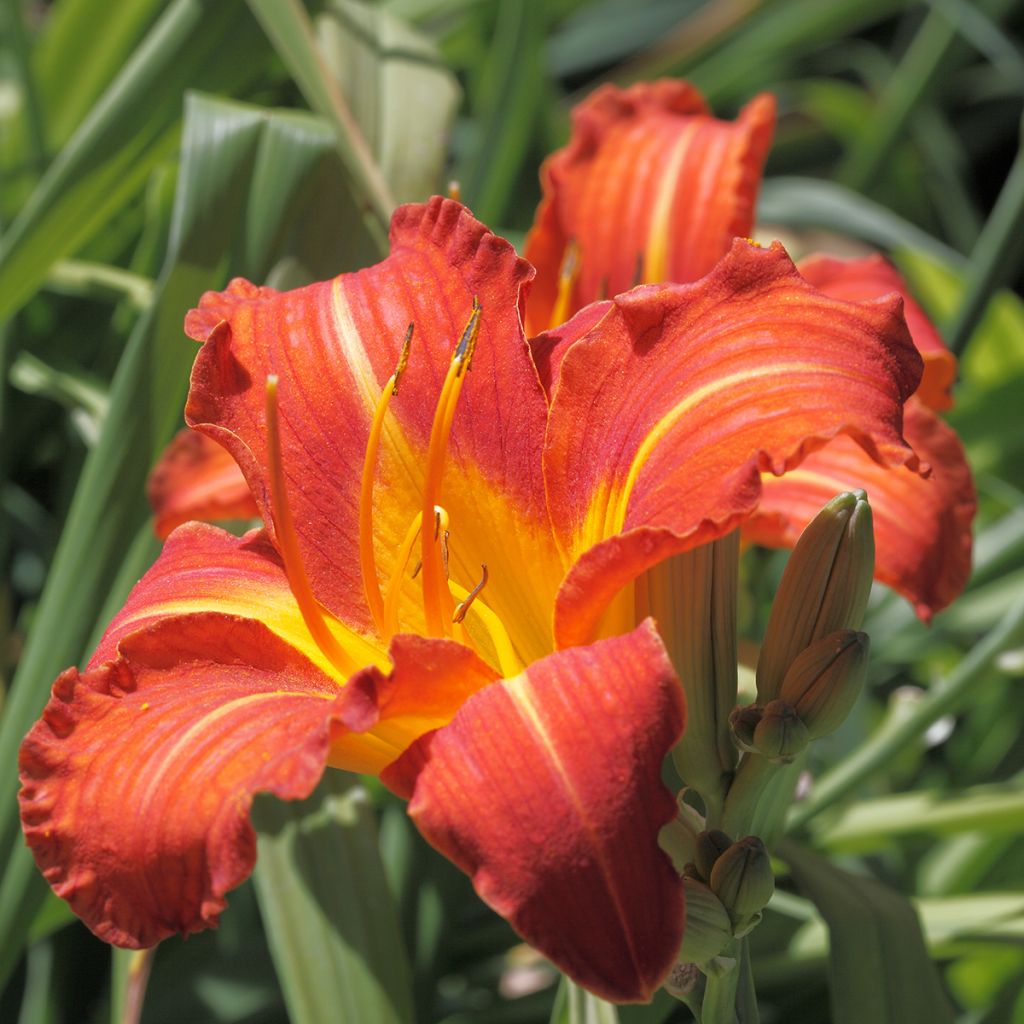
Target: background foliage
x,y
150,149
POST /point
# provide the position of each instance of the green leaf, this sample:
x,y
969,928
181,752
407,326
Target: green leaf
x,y
399,92
331,922
244,172
809,202
505,104
879,968
83,46
872,823
289,29
130,131
574,1005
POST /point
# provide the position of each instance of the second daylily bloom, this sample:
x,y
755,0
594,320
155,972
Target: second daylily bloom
x,y
449,516
652,188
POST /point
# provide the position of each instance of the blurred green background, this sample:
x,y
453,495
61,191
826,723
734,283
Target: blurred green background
x,y
150,149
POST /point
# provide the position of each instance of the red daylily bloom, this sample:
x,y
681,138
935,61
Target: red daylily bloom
x,y
242,665
652,188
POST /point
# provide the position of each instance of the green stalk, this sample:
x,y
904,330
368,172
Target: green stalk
x,y
944,697
912,79
13,24
992,259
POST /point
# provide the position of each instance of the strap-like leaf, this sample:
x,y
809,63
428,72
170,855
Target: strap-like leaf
x,y
331,923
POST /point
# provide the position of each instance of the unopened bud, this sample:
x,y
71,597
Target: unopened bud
x,y
742,878
825,680
742,722
708,928
825,587
780,735
709,847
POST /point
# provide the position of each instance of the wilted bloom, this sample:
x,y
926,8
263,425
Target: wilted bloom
x,y
451,527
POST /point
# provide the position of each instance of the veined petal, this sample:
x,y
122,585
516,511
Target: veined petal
x,y
203,569
333,347
871,278
650,188
546,790
197,479
922,525
137,781
746,371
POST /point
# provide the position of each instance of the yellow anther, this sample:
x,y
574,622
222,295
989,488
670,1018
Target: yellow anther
x,y
567,275
463,606
367,558
288,545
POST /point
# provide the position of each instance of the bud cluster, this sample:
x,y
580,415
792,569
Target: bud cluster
x,y
814,661
727,886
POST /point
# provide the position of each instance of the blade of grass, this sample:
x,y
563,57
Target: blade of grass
x,y
993,259
809,202
12,29
510,90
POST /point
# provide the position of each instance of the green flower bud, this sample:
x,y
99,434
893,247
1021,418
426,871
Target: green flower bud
x,y
780,735
825,587
708,928
825,680
709,847
742,878
743,721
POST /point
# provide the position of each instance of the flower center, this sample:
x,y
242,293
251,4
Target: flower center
x,y
442,616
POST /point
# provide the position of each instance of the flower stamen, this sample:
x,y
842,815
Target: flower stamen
x,y
367,559
463,606
437,599
288,544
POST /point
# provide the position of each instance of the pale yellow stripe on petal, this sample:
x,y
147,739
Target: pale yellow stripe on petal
x,y
616,499
283,619
658,241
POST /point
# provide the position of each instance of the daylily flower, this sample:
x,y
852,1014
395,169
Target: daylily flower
x,y
441,591
652,188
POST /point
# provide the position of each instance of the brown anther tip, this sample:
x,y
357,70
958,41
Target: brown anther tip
x,y
403,358
463,606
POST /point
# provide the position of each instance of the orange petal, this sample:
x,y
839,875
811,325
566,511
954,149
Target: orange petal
x,y
871,278
197,479
922,526
667,410
546,789
203,569
383,713
334,346
137,781
650,187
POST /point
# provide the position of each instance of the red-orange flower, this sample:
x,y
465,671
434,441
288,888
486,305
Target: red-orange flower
x,y
397,416
652,188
